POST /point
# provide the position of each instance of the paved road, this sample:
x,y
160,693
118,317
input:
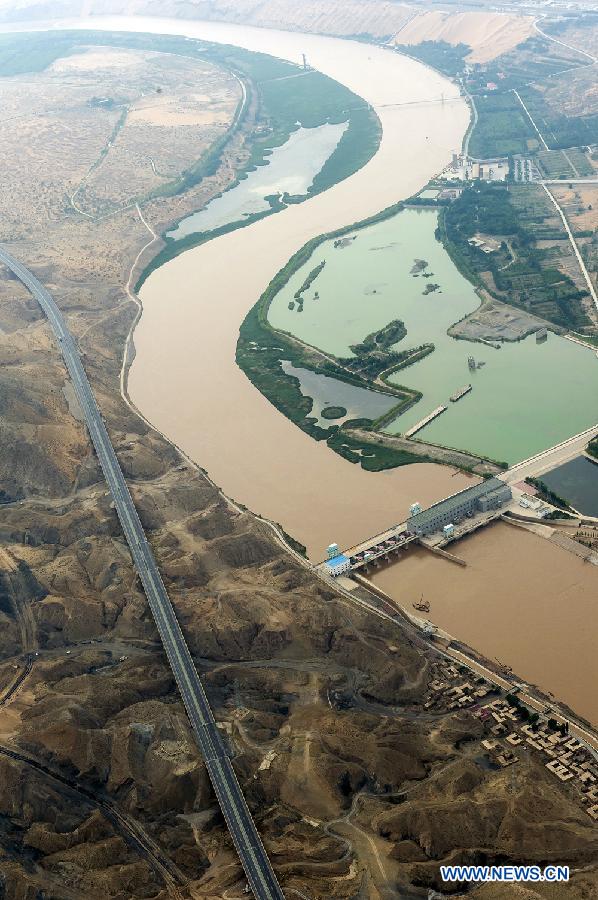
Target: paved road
x,y
529,115
565,181
582,265
551,458
592,59
230,797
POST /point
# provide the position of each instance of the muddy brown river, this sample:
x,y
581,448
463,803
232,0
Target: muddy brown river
x,y
520,599
184,378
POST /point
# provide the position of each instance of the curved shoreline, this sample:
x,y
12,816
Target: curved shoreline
x,y
276,531
184,378
286,477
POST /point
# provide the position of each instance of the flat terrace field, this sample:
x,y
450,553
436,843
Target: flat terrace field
x,y
580,31
565,108
579,202
503,128
571,163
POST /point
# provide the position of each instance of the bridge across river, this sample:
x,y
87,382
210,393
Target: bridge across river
x,y
456,516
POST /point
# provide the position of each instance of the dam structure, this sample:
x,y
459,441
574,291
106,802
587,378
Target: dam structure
x,y
440,524
485,497
458,515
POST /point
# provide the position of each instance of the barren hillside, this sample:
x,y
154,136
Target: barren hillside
x,y
489,34
356,788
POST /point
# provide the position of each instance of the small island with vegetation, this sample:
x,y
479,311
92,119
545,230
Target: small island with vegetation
x,y
419,266
264,352
333,412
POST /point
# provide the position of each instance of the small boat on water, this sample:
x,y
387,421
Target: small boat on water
x,y
422,606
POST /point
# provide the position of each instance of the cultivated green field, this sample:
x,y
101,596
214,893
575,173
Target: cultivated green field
x,y
523,274
447,58
572,163
503,127
544,73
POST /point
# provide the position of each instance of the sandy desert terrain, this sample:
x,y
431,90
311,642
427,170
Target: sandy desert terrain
x,y
489,34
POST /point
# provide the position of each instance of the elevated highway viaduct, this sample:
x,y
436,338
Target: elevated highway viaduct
x,y
252,854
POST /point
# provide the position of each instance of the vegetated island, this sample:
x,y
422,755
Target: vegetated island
x,y
261,350
333,412
278,104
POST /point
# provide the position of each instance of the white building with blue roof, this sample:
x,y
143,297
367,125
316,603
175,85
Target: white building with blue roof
x,y
338,565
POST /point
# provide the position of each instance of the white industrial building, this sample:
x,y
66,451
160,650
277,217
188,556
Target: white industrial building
x,y
338,565
490,494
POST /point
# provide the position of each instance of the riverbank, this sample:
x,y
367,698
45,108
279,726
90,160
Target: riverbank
x,y
262,350
491,670
288,98
521,599
249,448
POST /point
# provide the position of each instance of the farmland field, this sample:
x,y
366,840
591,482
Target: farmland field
x,y
503,127
573,163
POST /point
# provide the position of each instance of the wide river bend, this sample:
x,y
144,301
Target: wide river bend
x,y
184,378
185,381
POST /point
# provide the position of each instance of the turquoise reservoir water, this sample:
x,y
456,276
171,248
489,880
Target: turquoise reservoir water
x,y
525,398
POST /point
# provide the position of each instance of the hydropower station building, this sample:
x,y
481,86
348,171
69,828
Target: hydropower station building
x,y
336,563
481,498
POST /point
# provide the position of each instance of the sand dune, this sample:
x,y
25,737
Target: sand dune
x,y
488,34
379,18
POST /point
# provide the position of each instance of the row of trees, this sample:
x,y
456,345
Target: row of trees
x,y
533,717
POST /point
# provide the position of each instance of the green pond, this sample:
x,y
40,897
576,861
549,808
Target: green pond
x,y
325,392
526,396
